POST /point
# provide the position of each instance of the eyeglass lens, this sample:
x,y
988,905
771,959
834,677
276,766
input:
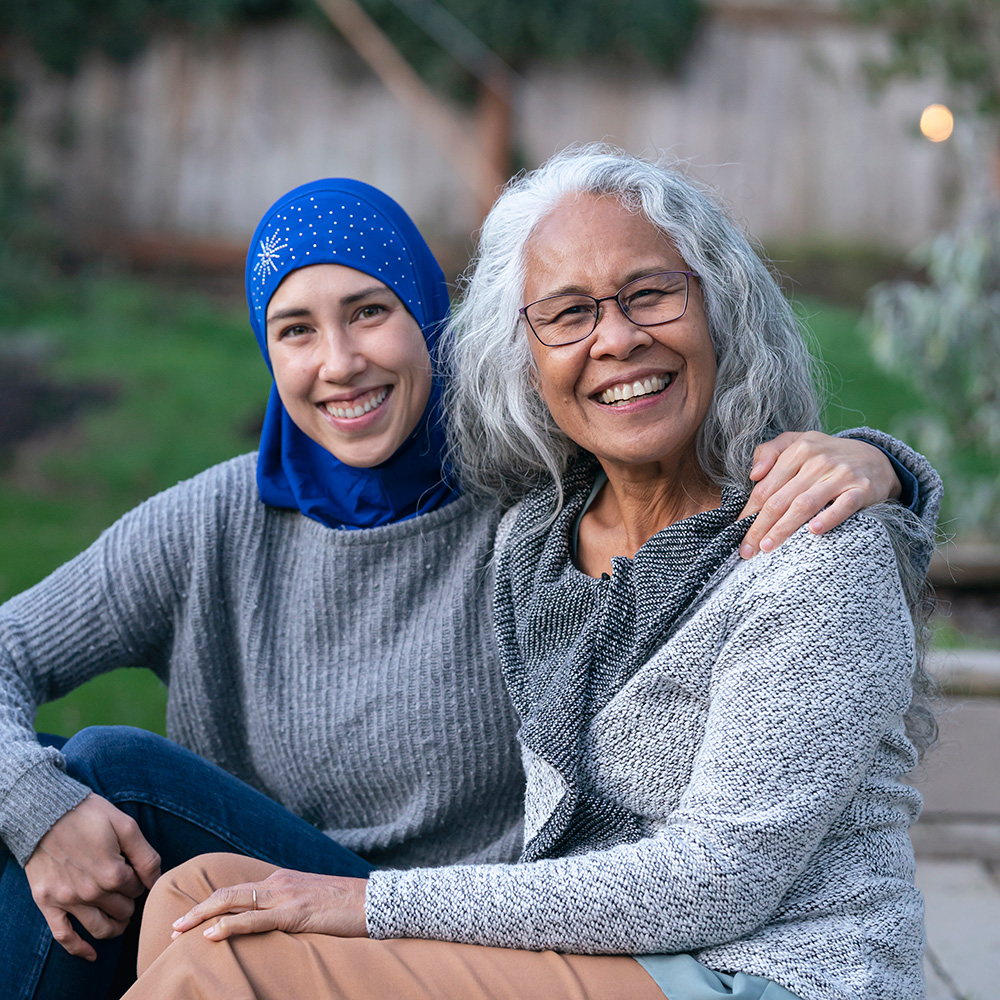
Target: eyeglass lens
x,y
647,301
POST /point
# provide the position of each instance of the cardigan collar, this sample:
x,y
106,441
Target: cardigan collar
x,y
568,643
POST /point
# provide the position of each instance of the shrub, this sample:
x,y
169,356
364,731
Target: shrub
x,y
944,338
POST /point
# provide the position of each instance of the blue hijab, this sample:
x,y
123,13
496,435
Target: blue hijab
x,y
339,221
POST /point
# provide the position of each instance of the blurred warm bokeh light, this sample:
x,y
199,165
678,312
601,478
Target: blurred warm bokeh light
x,y
937,122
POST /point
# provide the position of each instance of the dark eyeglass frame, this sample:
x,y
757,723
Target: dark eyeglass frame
x,y
688,275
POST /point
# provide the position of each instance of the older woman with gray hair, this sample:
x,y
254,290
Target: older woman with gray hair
x,y
714,747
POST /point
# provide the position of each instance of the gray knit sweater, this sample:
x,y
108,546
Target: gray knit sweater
x,y
350,675
713,752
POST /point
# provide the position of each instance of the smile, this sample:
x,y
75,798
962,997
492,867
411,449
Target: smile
x,y
625,391
358,407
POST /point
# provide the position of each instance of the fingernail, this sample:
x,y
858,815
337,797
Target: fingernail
x,y
746,550
766,544
176,934
816,526
177,922
212,931
757,469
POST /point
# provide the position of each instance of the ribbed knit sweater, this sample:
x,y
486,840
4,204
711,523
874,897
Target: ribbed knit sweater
x,y
350,675
713,752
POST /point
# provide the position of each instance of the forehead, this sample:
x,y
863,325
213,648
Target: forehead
x,y
590,241
322,283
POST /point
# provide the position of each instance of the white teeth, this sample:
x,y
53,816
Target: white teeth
x,y
358,410
625,390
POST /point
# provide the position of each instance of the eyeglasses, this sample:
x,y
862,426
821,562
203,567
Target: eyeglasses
x,y
647,301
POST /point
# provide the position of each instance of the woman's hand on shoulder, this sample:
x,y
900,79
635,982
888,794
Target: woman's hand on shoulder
x,y
92,864
291,901
810,477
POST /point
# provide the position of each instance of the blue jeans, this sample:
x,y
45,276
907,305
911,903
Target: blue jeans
x,y
184,806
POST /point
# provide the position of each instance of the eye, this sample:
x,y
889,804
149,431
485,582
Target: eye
x,y
571,314
646,296
560,310
293,331
372,313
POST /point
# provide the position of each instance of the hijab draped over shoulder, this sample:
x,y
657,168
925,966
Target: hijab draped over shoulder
x,y
341,221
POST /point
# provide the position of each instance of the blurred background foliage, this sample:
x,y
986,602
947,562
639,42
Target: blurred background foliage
x,y
138,383
941,335
960,38
659,32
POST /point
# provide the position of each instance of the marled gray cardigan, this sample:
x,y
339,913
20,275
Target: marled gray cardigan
x,y
714,751
350,675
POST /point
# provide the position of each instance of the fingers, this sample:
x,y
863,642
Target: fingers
x,y
811,478
137,850
765,455
775,464
228,900
64,935
839,511
97,923
250,922
111,888
780,517
288,901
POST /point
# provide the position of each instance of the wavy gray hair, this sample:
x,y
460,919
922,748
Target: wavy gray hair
x,y
503,440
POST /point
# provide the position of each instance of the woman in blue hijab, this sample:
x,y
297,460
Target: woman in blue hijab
x,y
354,225
319,611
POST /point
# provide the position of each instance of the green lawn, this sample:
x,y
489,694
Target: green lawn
x,y
857,392
189,389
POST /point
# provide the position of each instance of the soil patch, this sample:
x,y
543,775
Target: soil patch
x,y
31,403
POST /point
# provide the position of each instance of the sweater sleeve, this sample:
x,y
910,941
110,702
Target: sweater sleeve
x,y
922,488
814,668
111,606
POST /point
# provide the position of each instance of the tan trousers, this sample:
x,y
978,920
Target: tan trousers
x,y
280,966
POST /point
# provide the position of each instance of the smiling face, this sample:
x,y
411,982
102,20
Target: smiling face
x,y
349,361
634,396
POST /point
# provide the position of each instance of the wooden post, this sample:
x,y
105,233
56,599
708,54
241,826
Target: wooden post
x,y
475,168
495,122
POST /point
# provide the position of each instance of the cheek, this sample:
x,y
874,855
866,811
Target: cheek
x,y
291,379
553,376
412,365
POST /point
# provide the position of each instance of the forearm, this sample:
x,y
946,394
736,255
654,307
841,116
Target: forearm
x,y
625,900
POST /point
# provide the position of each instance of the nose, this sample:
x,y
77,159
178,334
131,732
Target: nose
x,y
339,358
617,336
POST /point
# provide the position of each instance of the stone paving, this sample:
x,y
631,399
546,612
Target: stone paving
x,y
957,839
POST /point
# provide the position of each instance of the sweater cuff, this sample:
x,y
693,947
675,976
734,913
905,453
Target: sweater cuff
x,y
41,796
921,483
909,495
378,905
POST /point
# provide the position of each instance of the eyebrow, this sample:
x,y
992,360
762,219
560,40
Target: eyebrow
x,y
640,272
293,312
288,314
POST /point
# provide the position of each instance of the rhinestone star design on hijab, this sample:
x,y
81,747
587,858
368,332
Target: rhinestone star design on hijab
x,y
341,221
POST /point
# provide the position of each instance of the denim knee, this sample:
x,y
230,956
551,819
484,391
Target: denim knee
x,y
103,756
